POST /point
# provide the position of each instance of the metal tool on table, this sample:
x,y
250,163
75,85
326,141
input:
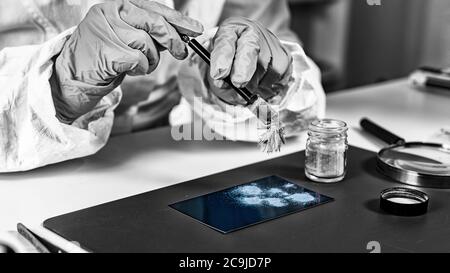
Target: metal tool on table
x,y
413,163
431,77
41,245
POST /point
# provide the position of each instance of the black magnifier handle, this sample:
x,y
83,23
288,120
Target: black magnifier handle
x,y
380,132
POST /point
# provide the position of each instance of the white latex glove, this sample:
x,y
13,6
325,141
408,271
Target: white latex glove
x,y
115,39
252,57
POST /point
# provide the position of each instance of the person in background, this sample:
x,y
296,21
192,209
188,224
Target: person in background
x,y
74,72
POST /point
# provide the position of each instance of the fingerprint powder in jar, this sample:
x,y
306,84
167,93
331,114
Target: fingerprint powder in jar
x,y
326,151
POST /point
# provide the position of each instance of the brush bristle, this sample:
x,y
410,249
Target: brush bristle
x,y
273,136
272,139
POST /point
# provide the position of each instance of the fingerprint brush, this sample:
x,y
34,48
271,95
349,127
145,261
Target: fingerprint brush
x,y
274,135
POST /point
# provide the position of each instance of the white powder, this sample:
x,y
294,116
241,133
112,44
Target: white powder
x,y
275,202
301,198
276,191
251,200
252,195
248,190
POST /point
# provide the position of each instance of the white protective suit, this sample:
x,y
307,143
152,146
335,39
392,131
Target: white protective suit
x,y
31,136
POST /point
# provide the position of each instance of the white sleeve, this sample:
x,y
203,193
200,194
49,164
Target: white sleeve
x,y
30,134
303,102
305,99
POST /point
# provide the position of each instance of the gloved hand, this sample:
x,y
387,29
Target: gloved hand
x,y
115,39
252,56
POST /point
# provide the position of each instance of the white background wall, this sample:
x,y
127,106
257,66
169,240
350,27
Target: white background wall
x,y
367,44
437,33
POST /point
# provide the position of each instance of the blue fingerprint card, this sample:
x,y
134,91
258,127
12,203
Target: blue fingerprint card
x,y
251,203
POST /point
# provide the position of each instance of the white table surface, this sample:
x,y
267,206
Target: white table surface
x,y
146,161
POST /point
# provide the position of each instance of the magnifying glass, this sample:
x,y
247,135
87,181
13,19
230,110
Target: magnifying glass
x,y
413,163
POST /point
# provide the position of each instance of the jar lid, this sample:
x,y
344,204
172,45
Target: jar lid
x,y
404,201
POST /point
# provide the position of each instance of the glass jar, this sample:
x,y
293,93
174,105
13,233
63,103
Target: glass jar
x,y
326,151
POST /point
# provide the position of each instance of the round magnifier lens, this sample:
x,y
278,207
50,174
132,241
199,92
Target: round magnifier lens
x,y
404,201
420,158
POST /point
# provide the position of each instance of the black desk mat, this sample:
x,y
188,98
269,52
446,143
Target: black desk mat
x,y
146,223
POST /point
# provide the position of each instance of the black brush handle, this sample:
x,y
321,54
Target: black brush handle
x,y
248,96
380,132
